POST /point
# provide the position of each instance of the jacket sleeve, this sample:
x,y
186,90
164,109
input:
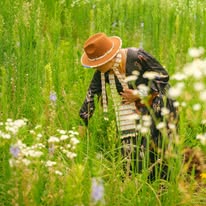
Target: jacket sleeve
x,y
88,106
151,68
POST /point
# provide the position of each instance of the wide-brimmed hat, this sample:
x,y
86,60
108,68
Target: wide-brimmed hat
x,y
100,49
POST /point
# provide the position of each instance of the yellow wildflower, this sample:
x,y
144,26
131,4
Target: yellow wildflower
x,y
203,175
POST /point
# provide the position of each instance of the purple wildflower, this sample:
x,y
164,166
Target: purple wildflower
x,y
97,192
53,96
14,150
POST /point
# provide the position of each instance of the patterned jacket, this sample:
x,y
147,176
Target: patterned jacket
x,y
140,61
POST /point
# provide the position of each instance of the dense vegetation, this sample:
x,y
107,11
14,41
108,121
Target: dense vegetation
x,y
44,161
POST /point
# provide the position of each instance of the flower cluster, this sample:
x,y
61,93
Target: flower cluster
x,y
11,127
65,142
42,150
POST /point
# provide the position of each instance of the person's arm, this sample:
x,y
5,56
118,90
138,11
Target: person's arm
x,y
153,73
88,107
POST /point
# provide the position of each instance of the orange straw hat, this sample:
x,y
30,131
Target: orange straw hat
x,y
100,49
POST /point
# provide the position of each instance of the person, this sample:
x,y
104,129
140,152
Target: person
x,y
109,60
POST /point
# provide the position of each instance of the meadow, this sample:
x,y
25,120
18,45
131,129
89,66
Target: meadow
x,y
44,160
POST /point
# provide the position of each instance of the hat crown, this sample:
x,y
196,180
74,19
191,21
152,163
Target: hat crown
x,y
98,46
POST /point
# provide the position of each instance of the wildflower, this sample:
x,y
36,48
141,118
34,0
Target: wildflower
x,y
5,135
26,161
161,125
203,122
165,111
196,107
196,52
71,132
70,155
203,175
50,163
58,172
183,104
64,137
53,139
97,190
20,122
74,141
33,153
195,69
176,90
39,136
172,126
144,130
136,73
198,86
202,138
203,95
143,90
61,131
14,150
53,97
176,104
178,76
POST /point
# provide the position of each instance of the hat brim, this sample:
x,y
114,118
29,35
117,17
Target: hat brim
x,y
86,62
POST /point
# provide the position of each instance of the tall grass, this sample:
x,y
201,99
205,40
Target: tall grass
x,y
42,81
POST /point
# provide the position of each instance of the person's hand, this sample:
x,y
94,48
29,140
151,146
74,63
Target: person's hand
x,y
129,95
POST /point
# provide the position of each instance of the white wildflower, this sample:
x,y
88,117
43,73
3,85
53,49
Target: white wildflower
x,y
26,161
202,138
146,118
39,135
196,69
143,90
203,122
176,90
165,111
196,52
183,104
178,76
50,163
136,73
161,125
61,131
71,132
58,172
32,131
33,153
172,126
176,104
71,155
53,139
64,137
74,141
199,86
196,107
5,135
20,122
203,95
144,130
68,146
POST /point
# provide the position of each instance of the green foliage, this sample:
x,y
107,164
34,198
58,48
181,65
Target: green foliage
x,y
41,79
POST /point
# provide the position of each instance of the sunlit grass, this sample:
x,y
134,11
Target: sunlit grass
x,y
44,161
